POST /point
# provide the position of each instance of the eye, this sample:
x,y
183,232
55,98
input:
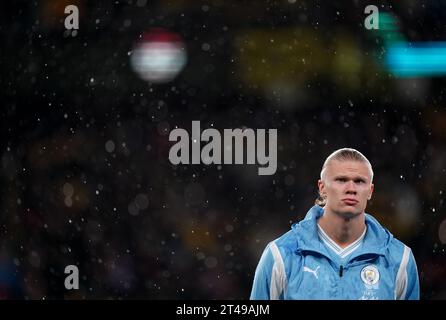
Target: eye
x,y
341,179
359,181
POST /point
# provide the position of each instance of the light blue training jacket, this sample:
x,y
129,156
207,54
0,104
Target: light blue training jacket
x,y
298,265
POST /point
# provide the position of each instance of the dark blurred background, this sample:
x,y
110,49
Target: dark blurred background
x,y
85,118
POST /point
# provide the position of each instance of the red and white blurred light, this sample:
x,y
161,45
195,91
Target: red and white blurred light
x,y
159,56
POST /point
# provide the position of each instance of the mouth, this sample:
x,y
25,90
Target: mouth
x,y
350,202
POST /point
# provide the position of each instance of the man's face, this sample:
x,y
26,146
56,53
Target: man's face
x,y
347,186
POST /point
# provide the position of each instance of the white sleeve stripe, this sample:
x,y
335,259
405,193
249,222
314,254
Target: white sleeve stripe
x,y
401,277
278,278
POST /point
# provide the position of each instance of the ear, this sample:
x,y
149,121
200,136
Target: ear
x,y
321,186
372,187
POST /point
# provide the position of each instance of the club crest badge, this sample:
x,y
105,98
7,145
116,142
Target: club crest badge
x,y
370,275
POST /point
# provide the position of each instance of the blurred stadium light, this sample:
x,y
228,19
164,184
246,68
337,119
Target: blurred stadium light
x,y
417,60
159,57
407,59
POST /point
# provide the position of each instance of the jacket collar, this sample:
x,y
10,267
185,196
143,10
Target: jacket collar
x,y
375,242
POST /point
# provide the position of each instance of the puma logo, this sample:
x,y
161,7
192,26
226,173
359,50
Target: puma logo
x,y
314,272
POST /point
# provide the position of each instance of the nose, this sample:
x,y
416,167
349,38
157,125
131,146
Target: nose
x,y
350,187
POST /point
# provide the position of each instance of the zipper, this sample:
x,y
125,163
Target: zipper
x,y
349,263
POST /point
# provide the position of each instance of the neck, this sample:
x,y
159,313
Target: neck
x,y
340,229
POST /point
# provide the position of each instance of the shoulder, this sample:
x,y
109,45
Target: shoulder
x,y
393,248
287,241
286,245
397,251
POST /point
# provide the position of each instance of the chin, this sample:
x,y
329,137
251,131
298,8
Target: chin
x,y
348,213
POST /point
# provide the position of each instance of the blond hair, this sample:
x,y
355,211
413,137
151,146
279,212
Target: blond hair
x,y
344,154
